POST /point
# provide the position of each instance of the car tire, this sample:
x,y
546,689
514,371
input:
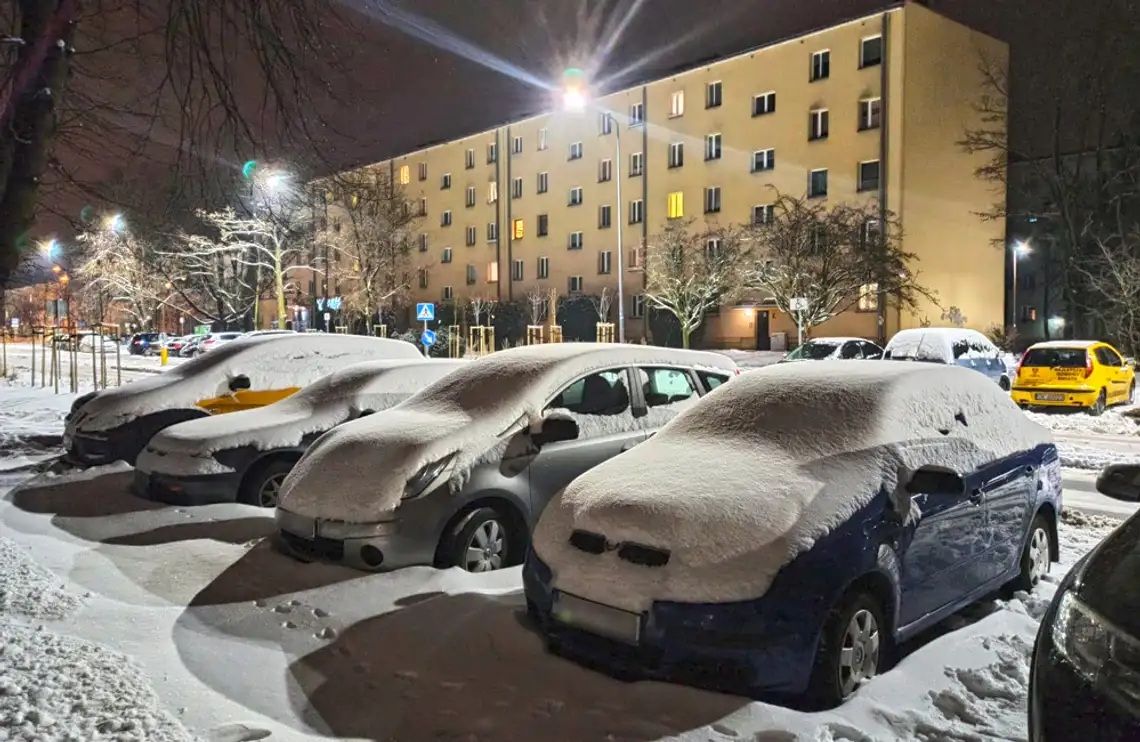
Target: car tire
x,y
1131,394
262,486
1004,383
484,530
1035,556
1100,405
852,649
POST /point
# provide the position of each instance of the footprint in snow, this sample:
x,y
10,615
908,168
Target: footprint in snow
x,y
284,608
289,625
727,731
320,613
326,633
237,733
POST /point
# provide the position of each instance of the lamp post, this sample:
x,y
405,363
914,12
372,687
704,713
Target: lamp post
x,y
1021,248
575,99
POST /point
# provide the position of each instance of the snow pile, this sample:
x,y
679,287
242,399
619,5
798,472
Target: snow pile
x,y
30,424
186,448
1076,456
770,463
57,687
936,344
269,362
1113,422
28,589
358,471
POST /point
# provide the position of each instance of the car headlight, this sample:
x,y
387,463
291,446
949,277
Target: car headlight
x,y
1099,651
426,476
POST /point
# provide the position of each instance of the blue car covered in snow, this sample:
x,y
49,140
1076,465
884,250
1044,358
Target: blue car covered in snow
x,y
782,535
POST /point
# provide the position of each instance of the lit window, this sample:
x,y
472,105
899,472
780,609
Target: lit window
x,y
870,113
820,65
871,51
492,272
764,103
677,103
817,183
517,229
713,94
405,174
763,159
492,192
818,121
868,297
675,208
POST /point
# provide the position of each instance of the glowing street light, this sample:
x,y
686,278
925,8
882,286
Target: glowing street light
x,y
115,223
50,249
1021,248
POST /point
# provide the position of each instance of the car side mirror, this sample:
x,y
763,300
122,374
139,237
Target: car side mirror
x,y
1120,482
555,428
239,383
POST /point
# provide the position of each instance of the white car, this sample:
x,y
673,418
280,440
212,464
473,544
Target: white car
x,y
955,346
245,456
117,423
216,340
837,348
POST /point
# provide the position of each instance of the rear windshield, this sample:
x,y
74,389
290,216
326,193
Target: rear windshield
x,y
1055,357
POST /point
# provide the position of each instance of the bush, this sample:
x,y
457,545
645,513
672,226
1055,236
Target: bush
x,y
1005,338
578,318
666,330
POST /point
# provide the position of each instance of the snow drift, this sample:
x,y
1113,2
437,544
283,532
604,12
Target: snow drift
x,y
754,474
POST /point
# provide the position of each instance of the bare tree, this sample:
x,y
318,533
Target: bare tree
x,y
1112,273
537,298
479,305
602,304
689,272
831,257
118,268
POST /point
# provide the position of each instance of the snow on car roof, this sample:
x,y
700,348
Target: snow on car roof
x,y
1066,344
759,470
465,414
270,362
933,343
831,340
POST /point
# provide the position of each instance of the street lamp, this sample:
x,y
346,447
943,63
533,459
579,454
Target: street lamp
x,y
114,223
575,97
1021,248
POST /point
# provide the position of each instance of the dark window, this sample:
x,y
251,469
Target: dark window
x,y
603,393
850,349
713,94
1055,358
820,65
543,225
869,176
871,51
817,183
763,103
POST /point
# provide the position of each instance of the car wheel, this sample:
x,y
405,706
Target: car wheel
x,y
1099,405
1131,394
479,542
1035,558
1004,383
851,650
263,486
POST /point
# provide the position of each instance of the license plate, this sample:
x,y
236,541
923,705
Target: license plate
x,y
597,618
1049,396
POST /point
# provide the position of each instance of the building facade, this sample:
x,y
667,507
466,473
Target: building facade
x,y
872,108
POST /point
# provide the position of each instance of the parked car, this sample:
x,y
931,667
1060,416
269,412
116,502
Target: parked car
x,y
953,346
260,333
780,536
245,456
457,475
145,343
216,340
176,344
825,349
190,348
87,341
117,423
1074,374
1084,679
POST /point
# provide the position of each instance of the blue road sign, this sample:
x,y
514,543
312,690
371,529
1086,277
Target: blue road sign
x,y
425,312
428,338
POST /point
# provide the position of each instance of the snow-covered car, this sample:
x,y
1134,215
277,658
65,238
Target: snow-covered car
x,y
786,531
116,424
953,346
216,340
457,475
88,341
245,456
838,348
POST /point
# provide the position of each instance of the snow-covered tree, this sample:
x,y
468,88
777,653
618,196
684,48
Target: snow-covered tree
x,y
1112,274
118,268
690,271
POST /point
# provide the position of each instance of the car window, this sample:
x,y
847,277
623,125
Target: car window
x,y
710,380
851,350
960,348
603,393
663,386
1055,358
870,350
1107,356
812,351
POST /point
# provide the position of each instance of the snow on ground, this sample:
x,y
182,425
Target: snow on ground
x,y
754,358
1115,421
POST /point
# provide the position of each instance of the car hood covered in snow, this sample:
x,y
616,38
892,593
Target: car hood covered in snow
x,y
358,471
737,486
270,362
369,386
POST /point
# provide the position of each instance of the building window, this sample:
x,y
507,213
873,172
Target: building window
x,y
469,159
576,196
636,211
869,175
493,272
543,182
492,231
871,51
868,298
517,188
871,232
817,183
712,199
818,121
576,241
405,174
445,182
574,285
712,249
820,65
763,159
637,114
516,270
712,146
423,207
472,276
423,242
605,262
636,164
677,104
492,191
423,278
518,229
446,255
676,154
492,152
635,256
675,205
763,213
605,170
637,306
604,216
445,218
423,171
713,94
472,235
870,113
516,146
543,225
605,123
448,293
575,150
470,197
1028,313
764,103
544,267
542,139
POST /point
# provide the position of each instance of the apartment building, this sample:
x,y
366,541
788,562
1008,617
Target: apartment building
x,y
871,108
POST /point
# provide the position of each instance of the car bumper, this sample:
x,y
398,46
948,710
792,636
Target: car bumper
x,y
379,546
88,449
1068,397
205,489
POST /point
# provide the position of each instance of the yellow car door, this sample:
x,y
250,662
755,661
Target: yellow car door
x,y
245,399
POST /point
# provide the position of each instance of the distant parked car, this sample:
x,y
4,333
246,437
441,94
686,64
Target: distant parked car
x,y
189,349
145,343
953,346
457,475
117,423
176,344
1074,373
825,349
216,340
261,333
784,533
1085,672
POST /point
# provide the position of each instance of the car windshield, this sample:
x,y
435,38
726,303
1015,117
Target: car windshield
x,y
813,350
1055,358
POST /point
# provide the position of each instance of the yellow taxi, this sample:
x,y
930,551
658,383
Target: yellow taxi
x,y
1073,373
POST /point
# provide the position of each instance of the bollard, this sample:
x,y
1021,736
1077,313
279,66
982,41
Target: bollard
x,y
163,356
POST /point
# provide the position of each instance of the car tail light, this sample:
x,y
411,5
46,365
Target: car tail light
x,y
1021,361
1088,364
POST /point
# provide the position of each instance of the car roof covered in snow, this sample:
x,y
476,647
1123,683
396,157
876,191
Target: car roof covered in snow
x,y
754,474
934,343
1066,344
269,362
837,340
